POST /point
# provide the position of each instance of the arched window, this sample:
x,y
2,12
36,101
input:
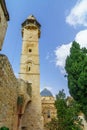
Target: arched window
x,y
48,113
29,66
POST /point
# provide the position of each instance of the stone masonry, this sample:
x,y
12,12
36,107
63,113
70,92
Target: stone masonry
x,y
8,94
20,100
4,17
29,71
11,89
48,108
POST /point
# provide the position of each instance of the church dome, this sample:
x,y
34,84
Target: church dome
x,y
46,93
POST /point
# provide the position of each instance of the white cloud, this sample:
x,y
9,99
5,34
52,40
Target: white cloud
x,y
81,38
61,53
50,58
64,50
78,14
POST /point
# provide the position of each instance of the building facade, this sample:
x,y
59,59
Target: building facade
x,y
4,17
21,109
48,107
20,102
21,106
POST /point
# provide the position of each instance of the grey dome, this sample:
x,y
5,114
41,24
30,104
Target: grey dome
x,y
46,93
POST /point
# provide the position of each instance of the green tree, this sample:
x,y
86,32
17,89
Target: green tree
x,y
76,68
53,124
67,114
4,128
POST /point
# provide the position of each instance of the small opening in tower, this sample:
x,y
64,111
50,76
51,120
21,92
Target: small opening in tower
x,y
23,128
48,114
29,68
0,18
30,50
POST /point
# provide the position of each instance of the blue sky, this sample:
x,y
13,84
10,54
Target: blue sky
x,y
62,21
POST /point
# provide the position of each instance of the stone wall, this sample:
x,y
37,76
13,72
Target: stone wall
x,y
48,109
3,22
8,94
24,91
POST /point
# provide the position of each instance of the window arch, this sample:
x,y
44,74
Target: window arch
x,y
48,114
29,66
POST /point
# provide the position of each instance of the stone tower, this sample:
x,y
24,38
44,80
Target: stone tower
x,y
29,71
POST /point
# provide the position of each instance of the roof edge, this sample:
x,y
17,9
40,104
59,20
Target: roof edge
x,y
3,5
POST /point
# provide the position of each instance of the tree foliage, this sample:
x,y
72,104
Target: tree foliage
x,y
4,128
76,68
52,125
67,114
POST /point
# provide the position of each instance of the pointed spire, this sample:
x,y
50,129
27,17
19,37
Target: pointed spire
x,y
31,17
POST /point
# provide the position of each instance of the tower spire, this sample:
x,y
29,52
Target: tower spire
x,y
31,22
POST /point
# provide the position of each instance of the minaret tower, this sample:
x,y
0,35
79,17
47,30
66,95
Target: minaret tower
x,y
29,71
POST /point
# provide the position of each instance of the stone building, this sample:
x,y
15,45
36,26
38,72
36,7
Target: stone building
x,y
48,107
8,81
30,72
8,94
20,101
4,17
21,106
